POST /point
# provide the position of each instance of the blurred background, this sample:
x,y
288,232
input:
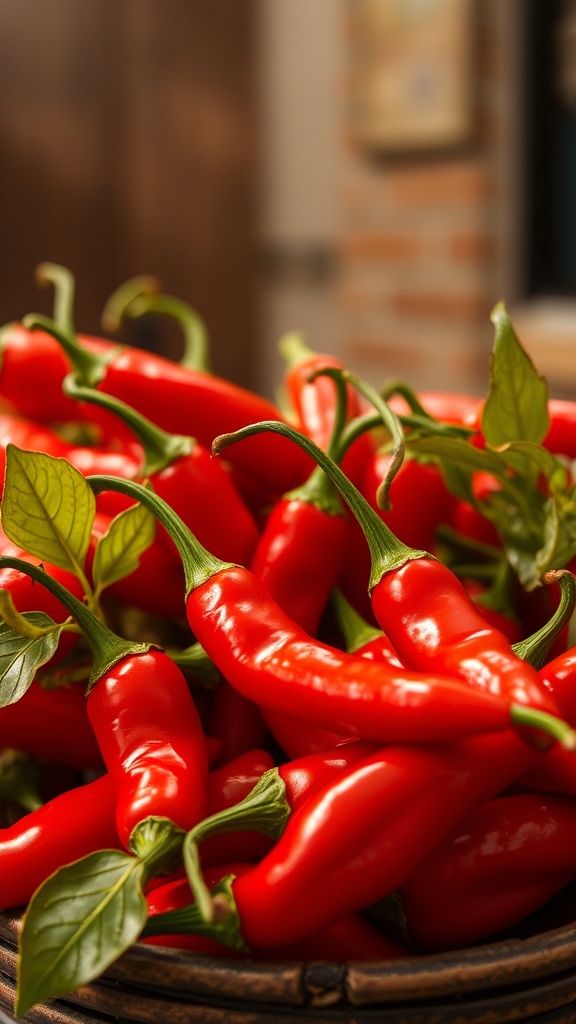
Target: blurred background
x,y
374,173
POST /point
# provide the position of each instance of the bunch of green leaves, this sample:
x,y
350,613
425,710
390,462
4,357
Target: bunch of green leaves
x,y
48,510
533,506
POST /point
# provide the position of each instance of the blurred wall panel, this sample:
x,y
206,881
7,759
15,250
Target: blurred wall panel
x,y
128,146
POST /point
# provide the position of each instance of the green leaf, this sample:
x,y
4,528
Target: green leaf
x,y
48,508
21,656
516,408
517,454
459,454
119,550
77,923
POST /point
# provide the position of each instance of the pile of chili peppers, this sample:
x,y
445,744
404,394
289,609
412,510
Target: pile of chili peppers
x,y
277,681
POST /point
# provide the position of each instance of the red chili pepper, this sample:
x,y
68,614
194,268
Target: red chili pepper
x,y
314,401
144,719
301,551
277,665
321,869
351,938
51,724
422,606
183,401
151,740
453,407
71,825
186,476
32,369
500,865
245,828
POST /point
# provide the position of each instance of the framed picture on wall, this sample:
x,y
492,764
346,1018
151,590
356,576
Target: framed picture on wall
x,y
412,73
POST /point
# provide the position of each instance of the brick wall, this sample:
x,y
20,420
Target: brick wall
x,y
421,242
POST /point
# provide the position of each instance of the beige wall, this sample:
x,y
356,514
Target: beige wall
x,y
423,245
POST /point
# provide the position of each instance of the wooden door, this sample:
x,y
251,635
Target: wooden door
x,y
128,146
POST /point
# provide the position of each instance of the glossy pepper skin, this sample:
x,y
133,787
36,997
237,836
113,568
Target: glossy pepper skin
x,y
500,865
314,401
182,471
151,740
182,401
421,795
277,665
435,627
32,369
298,558
351,938
71,825
52,724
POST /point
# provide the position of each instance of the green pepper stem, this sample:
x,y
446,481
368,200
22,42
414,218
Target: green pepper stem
x,y
113,312
265,809
523,715
157,842
64,286
294,350
194,660
318,489
160,448
355,630
196,354
198,563
107,647
534,649
89,367
387,417
225,927
386,551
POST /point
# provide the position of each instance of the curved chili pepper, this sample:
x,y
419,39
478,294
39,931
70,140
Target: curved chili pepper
x,y
314,401
500,865
302,547
32,369
277,665
351,938
151,741
422,606
144,719
186,476
182,401
421,795
51,724
71,825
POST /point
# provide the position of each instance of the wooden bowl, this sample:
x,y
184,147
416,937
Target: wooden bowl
x,y
526,976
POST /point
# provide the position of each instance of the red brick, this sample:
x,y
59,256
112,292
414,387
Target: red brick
x,y
448,182
442,305
379,246
379,350
471,246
